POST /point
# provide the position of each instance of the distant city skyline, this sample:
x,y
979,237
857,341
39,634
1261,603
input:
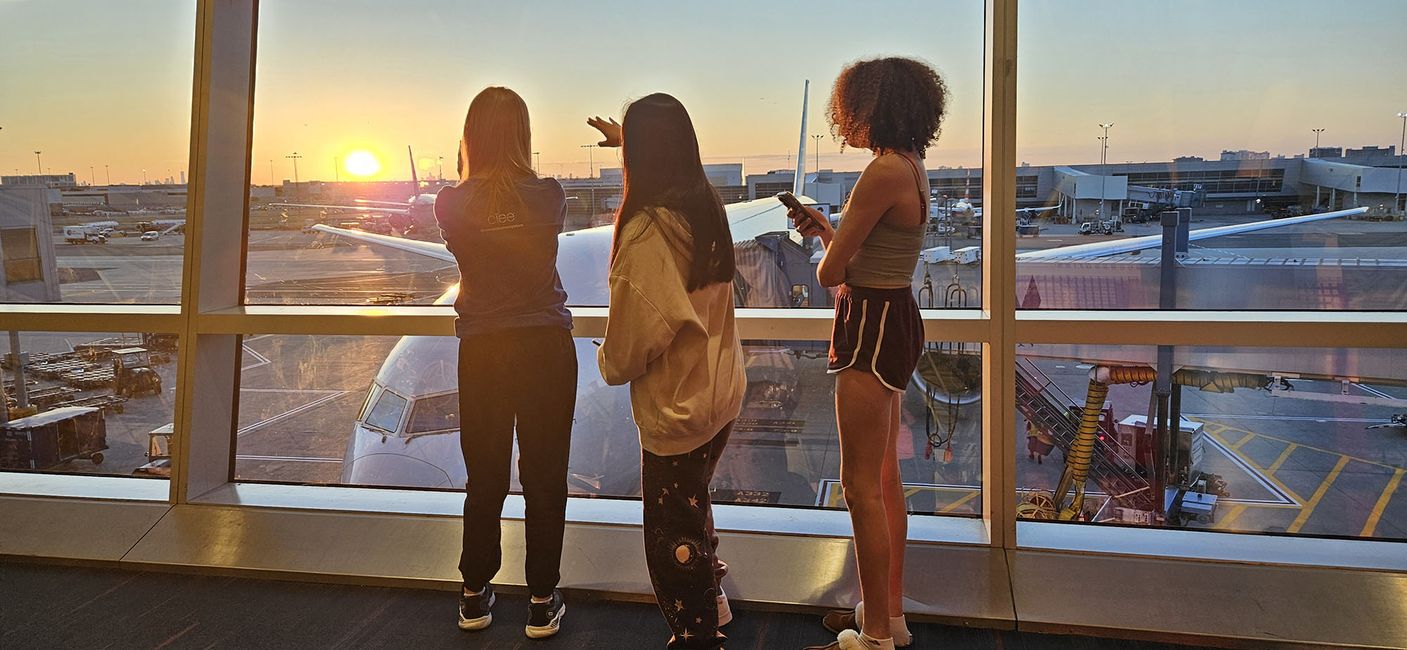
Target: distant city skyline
x,y
1186,78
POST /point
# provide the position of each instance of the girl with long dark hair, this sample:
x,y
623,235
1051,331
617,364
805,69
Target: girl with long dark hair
x,y
517,362
670,334
893,107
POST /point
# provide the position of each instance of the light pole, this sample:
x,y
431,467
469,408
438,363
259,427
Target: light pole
x,y
537,162
442,167
39,162
1316,140
591,172
271,172
1400,155
144,177
92,176
1103,166
590,160
294,157
336,172
817,138
107,173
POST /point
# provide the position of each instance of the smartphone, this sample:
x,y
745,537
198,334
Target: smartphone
x,y
788,199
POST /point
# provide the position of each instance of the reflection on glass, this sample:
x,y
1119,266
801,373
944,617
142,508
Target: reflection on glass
x,y
308,416
88,403
93,175
1258,213
1301,441
343,186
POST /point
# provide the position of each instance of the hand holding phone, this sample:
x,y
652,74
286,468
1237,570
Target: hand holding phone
x,y
806,220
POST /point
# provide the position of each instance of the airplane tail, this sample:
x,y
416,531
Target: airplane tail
x,y
414,180
798,183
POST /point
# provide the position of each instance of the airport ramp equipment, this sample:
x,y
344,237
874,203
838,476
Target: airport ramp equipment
x,y
1053,411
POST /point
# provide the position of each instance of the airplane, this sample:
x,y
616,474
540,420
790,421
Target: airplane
x,y
414,216
407,432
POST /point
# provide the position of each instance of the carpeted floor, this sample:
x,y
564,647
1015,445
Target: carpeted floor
x,y
43,606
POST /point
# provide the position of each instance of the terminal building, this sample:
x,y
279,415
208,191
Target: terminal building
x,y
1240,183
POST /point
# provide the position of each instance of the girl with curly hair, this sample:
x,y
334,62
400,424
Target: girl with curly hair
x,y
893,107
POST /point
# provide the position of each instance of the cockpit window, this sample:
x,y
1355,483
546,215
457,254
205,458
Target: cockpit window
x,y
366,406
438,413
386,414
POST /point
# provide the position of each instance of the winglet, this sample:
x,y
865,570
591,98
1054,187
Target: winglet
x,y
799,182
414,180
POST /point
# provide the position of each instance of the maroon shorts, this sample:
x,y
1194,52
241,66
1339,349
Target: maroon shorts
x,y
878,331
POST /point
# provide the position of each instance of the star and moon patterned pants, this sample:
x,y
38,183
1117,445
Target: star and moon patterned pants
x,y
681,547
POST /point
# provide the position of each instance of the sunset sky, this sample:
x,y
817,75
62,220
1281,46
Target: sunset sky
x,y
106,83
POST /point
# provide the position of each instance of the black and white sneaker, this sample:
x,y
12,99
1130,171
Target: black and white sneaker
x,y
476,612
545,619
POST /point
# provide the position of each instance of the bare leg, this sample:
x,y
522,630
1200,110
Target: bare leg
x,y
896,511
863,408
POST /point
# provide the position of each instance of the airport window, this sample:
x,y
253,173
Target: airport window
x,y
1296,441
298,423
1263,225
97,403
92,161
331,180
1269,440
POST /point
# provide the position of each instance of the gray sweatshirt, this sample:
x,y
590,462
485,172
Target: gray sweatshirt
x,y
678,350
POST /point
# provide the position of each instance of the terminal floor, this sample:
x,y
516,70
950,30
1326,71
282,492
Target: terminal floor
x,y
44,606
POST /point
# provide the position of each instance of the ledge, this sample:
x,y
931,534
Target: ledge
x,y
80,317
1337,329
1205,546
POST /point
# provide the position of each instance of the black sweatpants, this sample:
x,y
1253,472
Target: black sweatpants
x,y
681,546
525,375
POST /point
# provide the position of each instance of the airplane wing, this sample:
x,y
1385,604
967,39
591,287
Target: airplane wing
x,y
400,209
583,255
434,250
751,219
1043,209
1102,249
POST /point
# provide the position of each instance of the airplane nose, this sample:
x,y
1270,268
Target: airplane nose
x,y
396,470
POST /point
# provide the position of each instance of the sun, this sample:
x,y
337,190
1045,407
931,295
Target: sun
x,y
361,163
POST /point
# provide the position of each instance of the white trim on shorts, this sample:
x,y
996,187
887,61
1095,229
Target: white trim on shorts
x,y
879,343
864,311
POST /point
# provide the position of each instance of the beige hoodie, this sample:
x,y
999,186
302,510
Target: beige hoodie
x,y
678,350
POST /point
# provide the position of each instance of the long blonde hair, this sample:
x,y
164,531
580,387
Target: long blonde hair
x,y
497,144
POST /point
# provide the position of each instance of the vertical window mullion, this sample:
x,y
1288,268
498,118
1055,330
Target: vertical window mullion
x,y
999,272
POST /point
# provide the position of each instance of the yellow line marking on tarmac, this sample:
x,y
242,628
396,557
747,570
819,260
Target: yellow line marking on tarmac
x,y
1268,476
1320,449
957,504
1231,517
1237,445
1308,508
1284,455
1386,496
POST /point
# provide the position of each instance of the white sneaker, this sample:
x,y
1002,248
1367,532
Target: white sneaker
x,y
852,640
725,614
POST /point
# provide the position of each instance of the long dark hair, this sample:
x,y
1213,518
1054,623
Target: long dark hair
x,y
663,170
495,146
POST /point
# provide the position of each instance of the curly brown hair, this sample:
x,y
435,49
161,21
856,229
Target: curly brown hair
x,y
888,103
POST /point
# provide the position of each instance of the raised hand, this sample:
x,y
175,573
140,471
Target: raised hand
x,y
609,128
